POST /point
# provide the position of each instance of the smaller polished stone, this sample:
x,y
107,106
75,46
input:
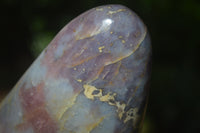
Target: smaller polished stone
x,y
92,78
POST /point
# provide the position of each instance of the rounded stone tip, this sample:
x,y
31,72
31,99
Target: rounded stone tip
x,y
92,77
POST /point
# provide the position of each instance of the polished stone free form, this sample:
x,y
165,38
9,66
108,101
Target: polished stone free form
x,y
92,78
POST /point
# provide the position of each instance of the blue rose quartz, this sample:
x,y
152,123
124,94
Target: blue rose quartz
x,y
92,78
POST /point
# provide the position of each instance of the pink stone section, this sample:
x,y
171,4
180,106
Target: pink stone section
x,y
35,114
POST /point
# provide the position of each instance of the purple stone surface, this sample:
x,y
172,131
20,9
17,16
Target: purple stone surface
x,y
92,78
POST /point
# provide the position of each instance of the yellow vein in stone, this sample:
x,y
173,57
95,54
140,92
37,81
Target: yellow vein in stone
x,y
99,9
113,12
137,46
79,62
108,98
64,120
117,69
63,110
131,114
97,75
94,125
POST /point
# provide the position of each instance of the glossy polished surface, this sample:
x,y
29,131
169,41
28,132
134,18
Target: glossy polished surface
x,y
92,78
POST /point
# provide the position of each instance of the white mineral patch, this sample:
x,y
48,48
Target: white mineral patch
x,y
61,46
59,96
35,74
